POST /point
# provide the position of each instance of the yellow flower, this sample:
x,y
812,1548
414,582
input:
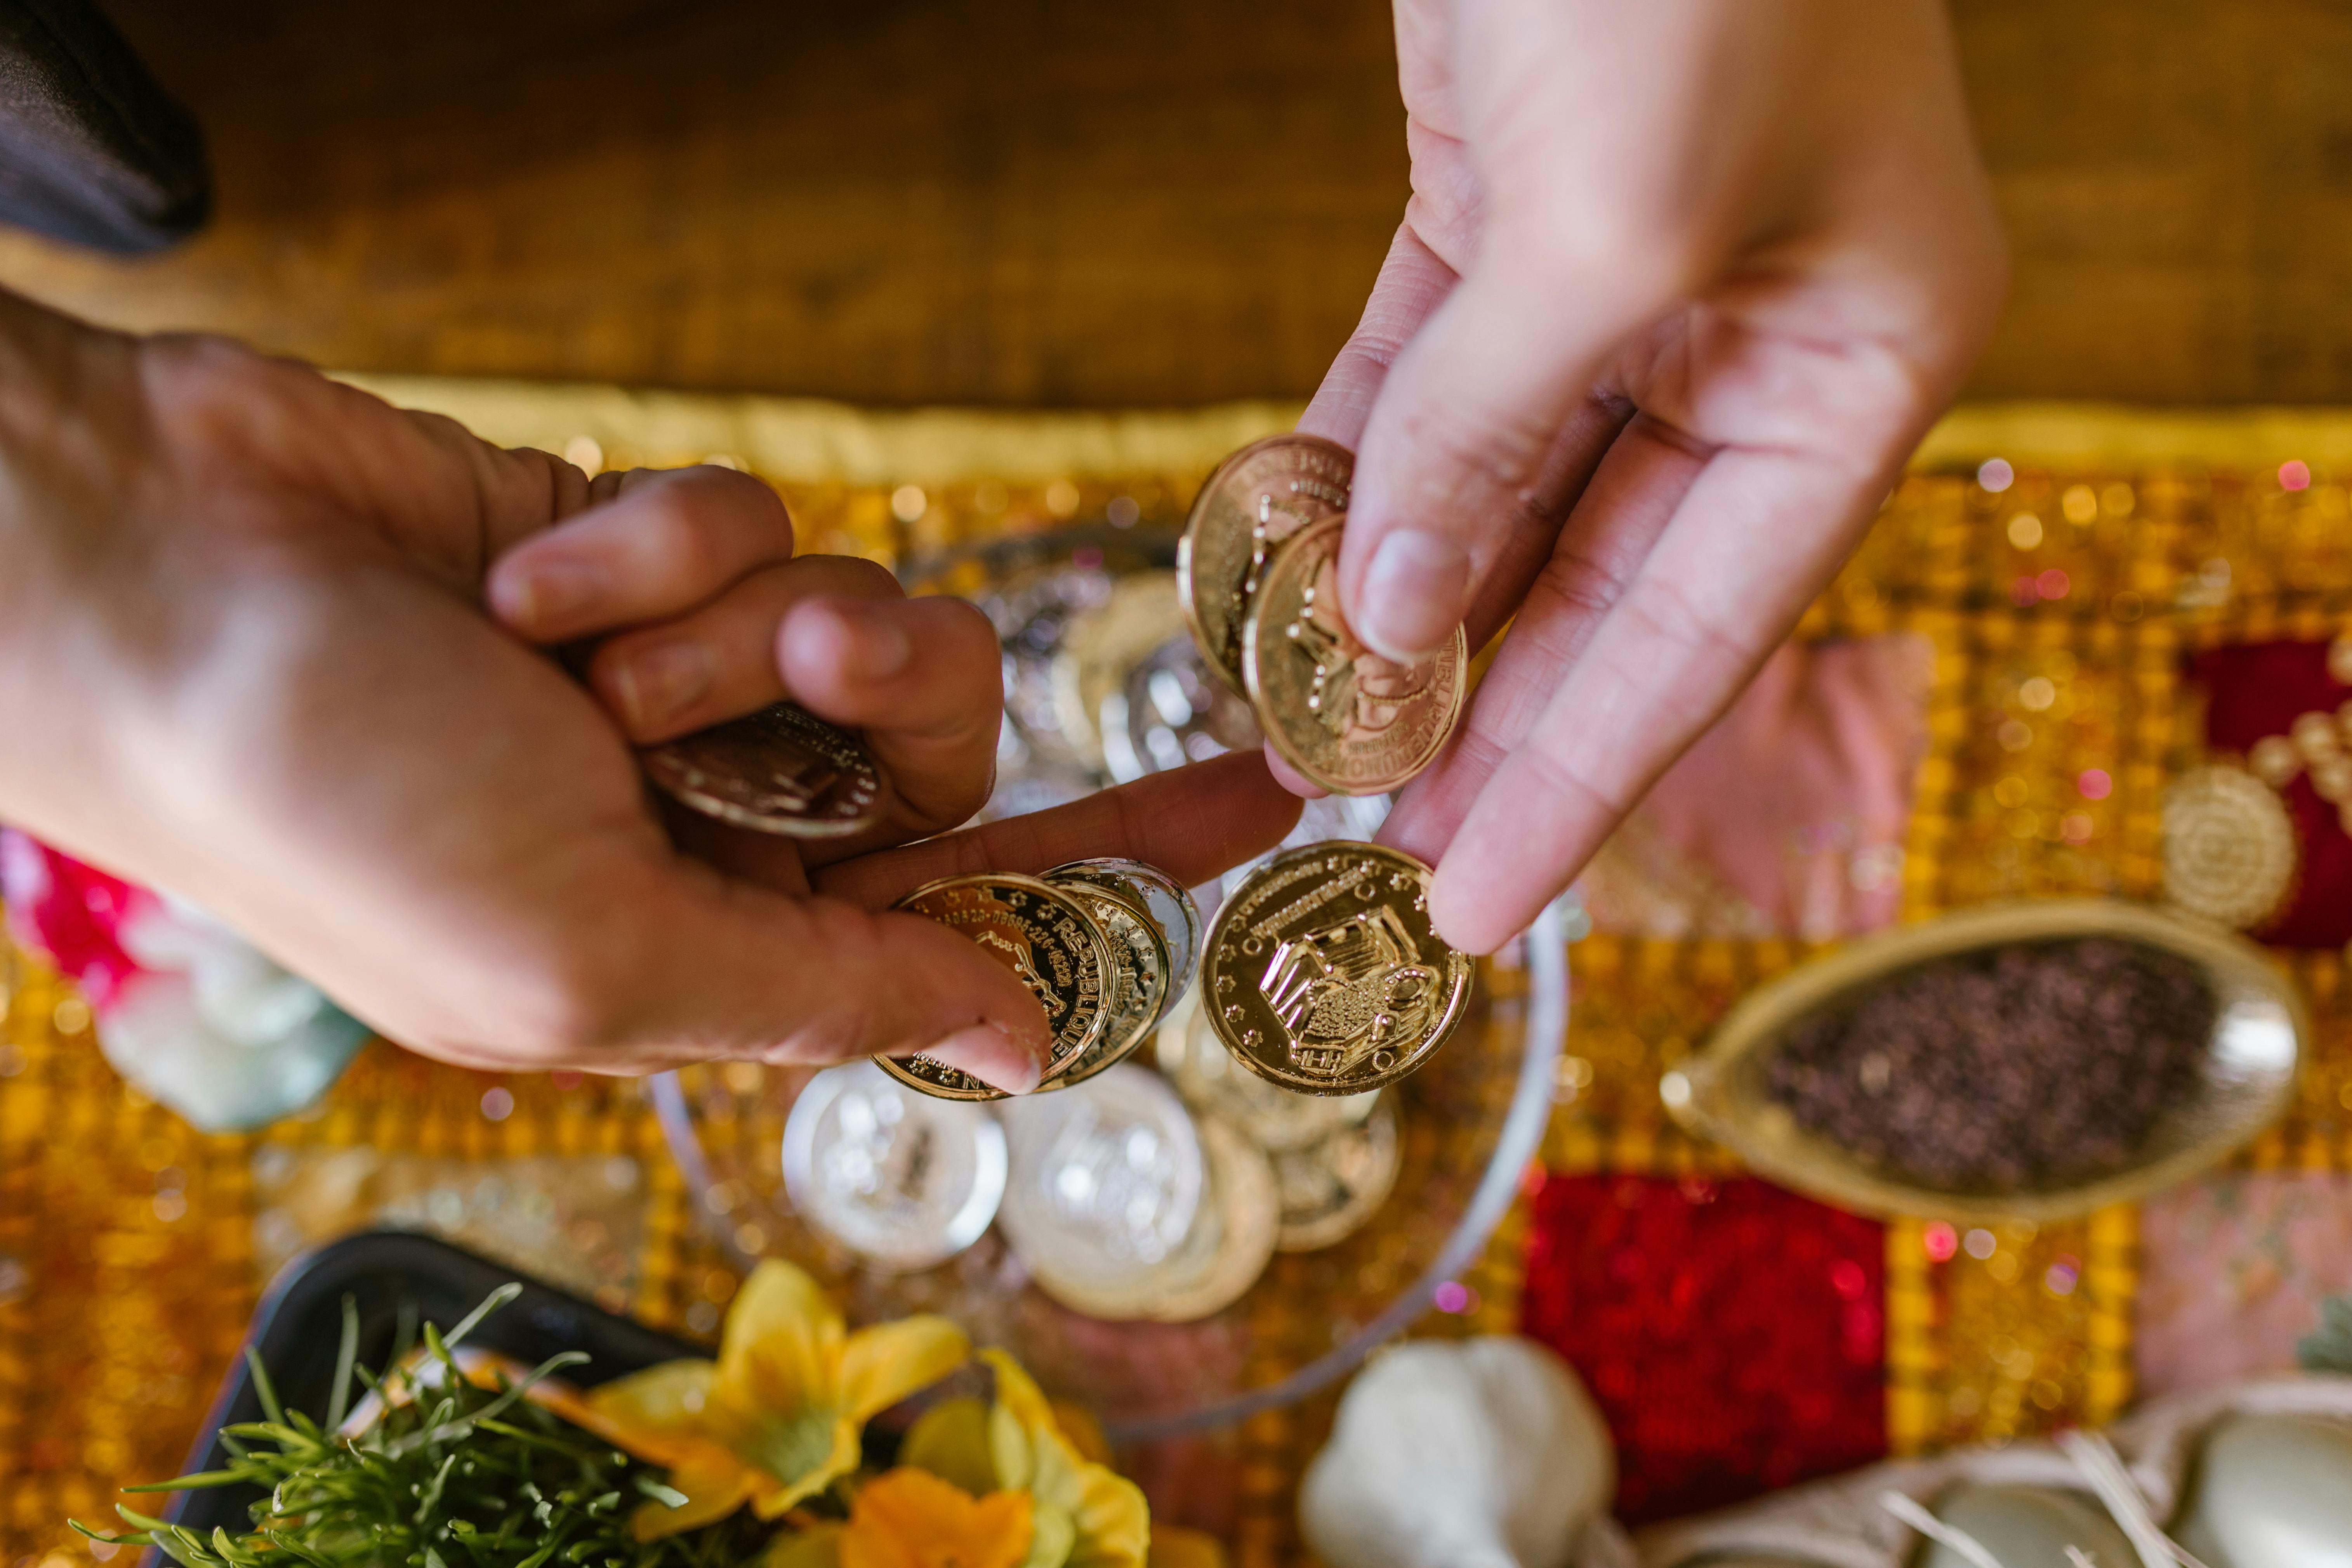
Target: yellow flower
x,y
1087,1515
776,1418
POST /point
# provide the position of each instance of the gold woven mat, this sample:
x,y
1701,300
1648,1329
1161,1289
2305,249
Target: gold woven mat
x,y
132,1248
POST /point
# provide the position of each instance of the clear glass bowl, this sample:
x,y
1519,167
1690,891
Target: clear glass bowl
x,y
1471,1121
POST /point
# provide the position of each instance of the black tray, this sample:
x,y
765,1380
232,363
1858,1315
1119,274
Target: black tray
x,y
299,1324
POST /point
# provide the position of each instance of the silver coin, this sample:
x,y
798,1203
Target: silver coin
x,y
1026,784
1031,612
1106,1177
1213,1271
1169,905
1133,686
1169,711
1331,1189
1231,1240
1102,644
904,1180
782,770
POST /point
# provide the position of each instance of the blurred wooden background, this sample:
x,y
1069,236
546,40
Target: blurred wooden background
x,y
1060,201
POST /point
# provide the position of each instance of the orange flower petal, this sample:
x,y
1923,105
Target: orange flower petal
x,y
912,1519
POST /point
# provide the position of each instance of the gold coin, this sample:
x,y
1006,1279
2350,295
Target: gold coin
x,y
782,770
1167,903
1324,974
1223,1256
1260,496
1050,943
1140,970
1278,1120
2230,850
1329,1189
1351,720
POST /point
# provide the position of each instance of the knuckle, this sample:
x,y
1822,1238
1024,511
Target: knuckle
x,y
1607,248
676,536
1501,445
1548,764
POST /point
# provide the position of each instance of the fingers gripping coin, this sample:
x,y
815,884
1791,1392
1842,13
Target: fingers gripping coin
x,y
1258,576
1052,946
782,770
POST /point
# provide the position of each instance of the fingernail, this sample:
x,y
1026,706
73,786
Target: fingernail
x,y
552,591
1413,595
879,647
658,683
991,1056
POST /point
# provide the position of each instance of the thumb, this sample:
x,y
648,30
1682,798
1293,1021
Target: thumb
x,y
744,972
1457,442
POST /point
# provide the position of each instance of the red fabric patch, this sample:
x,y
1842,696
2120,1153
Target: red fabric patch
x,y
2254,689
71,912
1732,1333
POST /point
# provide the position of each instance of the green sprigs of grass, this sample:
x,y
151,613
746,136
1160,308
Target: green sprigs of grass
x,y
451,1476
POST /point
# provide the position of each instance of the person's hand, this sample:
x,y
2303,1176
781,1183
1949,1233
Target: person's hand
x,y
1680,286
249,653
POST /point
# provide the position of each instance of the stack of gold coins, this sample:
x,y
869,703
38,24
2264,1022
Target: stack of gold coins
x,y
1257,577
1105,945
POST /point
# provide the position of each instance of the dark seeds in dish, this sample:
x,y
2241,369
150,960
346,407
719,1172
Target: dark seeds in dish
x,y
2026,1066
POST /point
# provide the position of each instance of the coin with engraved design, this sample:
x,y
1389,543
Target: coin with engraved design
x,y
904,1180
1331,1188
1232,1241
1276,1118
1044,938
1167,903
1106,1180
1347,718
1324,974
782,770
1139,978
1258,498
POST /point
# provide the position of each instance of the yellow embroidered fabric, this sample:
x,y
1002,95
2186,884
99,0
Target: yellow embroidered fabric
x,y
132,1248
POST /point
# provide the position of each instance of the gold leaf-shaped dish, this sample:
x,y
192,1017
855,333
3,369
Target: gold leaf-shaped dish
x,y
2261,1034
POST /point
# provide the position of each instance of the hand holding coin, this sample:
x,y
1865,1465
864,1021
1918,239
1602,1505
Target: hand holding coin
x,y
701,629
1257,577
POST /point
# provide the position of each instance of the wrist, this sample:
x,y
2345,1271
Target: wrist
x,y
69,458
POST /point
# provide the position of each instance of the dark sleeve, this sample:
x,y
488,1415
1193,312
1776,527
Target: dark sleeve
x,y
91,150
